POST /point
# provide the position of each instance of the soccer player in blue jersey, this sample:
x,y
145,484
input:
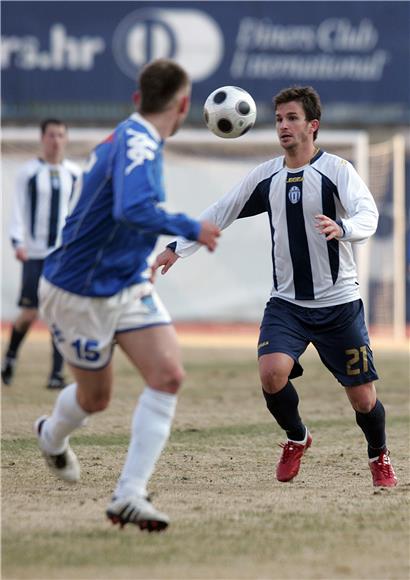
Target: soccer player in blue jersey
x,y
95,292
40,204
317,206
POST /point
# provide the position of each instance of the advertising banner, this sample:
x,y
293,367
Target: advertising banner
x,y
356,54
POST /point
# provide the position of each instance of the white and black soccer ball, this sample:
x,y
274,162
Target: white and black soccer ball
x,y
229,112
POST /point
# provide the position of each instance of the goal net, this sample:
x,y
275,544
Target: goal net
x,y
386,277
233,284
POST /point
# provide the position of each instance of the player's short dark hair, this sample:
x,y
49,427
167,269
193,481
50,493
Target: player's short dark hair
x,y
307,97
44,124
159,82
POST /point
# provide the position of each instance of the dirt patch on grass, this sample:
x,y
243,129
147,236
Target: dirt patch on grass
x,y
230,517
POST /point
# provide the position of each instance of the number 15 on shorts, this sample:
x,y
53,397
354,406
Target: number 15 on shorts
x,y
86,349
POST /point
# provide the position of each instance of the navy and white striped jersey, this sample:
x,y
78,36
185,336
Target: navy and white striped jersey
x,y
40,205
117,216
307,269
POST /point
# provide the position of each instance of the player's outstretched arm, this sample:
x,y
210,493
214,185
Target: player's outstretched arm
x,y
208,236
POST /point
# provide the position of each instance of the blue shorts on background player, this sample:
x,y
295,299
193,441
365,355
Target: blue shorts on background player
x,y
44,186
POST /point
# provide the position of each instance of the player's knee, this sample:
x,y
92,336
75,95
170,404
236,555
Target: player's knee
x,y
94,403
274,371
174,379
273,379
97,406
26,319
363,405
101,404
168,379
363,398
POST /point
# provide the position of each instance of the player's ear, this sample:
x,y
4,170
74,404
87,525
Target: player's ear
x,y
314,125
184,104
136,98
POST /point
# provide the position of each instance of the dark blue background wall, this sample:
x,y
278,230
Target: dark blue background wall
x,y
88,54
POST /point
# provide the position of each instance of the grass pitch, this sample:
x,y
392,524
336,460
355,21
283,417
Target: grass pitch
x,y
230,518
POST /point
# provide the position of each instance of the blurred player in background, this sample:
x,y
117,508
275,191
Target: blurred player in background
x,y
317,206
40,205
96,290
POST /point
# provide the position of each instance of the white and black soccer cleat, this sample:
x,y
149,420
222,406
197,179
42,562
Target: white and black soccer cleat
x,y
64,465
139,511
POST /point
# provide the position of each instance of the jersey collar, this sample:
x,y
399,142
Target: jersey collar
x,y
316,156
149,126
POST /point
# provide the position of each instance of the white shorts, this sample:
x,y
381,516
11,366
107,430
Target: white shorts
x,y
84,327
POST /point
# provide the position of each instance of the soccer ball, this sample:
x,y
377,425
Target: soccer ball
x,y
229,112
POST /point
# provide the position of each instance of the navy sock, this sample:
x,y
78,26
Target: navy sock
x,y
57,361
373,425
283,405
15,341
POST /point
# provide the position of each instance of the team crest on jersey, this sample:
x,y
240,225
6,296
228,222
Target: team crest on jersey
x,y
139,148
294,194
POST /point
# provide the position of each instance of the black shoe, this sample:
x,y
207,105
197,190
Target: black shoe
x,y
56,382
7,370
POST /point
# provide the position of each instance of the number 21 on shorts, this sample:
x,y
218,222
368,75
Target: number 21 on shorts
x,y
86,349
358,359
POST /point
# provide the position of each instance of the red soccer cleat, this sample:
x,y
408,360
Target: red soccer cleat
x,y
289,463
382,471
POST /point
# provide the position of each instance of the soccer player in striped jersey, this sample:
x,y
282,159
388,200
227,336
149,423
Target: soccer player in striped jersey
x,y
44,186
317,207
95,292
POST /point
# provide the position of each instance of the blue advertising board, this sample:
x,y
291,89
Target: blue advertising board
x,y
356,54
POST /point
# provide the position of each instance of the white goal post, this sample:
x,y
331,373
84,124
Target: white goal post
x,y
387,263
233,284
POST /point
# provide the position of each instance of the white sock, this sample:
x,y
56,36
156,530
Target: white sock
x,y
67,415
151,426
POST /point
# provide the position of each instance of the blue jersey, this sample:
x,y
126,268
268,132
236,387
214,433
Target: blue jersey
x,y
116,219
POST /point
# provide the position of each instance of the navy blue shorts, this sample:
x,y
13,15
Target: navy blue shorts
x,y
338,333
32,270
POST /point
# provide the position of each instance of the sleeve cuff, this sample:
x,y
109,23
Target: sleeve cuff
x,y
172,246
340,224
16,243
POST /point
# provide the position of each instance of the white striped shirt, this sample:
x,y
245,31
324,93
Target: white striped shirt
x,y
307,269
40,205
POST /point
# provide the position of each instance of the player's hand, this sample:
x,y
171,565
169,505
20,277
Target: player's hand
x,y
21,254
209,235
328,227
167,258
